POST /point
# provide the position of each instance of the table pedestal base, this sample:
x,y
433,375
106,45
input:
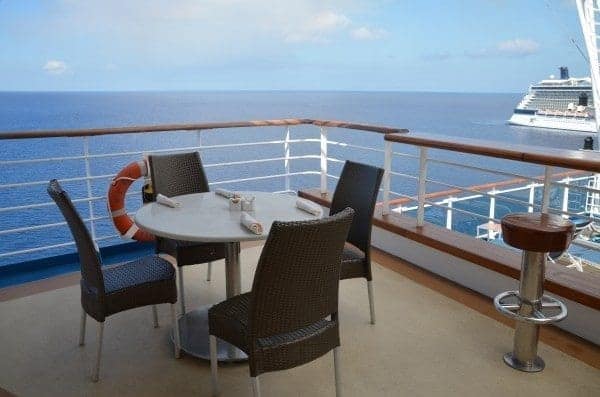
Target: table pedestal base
x,y
193,333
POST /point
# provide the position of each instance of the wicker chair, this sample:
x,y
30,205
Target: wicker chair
x,y
174,175
357,188
290,317
142,282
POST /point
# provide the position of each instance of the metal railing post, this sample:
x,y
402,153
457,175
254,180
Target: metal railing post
x,y
547,188
286,153
449,214
199,140
422,185
492,213
565,201
531,197
323,160
387,177
88,181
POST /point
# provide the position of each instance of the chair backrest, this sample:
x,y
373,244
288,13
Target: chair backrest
x,y
297,277
177,174
89,258
357,188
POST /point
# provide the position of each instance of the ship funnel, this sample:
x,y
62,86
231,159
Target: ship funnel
x,y
564,73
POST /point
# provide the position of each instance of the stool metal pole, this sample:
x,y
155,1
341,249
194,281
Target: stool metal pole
x,y
524,355
535,234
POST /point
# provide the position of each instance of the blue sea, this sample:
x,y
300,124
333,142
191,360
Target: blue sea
x,y
481,116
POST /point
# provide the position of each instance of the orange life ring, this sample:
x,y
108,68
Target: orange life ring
x,y
116,201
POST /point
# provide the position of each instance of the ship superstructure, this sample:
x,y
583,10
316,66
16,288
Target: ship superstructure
x,y
566,103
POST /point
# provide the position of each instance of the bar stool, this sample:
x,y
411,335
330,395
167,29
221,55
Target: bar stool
x,y
536,234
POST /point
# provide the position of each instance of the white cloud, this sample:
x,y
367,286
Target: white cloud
x,y
515,48
55,67
518,47
365,33
318,27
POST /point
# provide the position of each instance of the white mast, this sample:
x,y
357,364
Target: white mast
x,y
589,17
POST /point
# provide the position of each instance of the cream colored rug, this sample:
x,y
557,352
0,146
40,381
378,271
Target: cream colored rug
x,y
424,344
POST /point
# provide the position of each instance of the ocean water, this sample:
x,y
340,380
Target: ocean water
x,y
481,116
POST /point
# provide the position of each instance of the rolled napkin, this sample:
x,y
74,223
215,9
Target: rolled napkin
x,y
309,207
164,200
225,193
251,224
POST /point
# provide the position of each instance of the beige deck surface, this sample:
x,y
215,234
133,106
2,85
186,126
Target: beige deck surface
x,y
424,344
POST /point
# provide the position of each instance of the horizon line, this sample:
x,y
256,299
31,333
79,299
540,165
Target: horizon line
x,y
257,90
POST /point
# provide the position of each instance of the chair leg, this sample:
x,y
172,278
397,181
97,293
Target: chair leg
x,y
338,376
208,271
82,328
181,292
155,316
255,386
371,301
212,343
176,340
96,373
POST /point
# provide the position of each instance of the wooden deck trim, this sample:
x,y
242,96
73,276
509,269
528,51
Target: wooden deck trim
x,y
579,288
575,159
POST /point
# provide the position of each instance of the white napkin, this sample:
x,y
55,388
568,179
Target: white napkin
x,y
251,224
225,193
309,206
164,200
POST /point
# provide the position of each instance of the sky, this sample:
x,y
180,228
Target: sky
x,y
364,45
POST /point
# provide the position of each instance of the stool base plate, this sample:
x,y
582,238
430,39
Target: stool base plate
x,y
535,365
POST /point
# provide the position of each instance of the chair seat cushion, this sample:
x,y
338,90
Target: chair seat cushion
x,y
140,271
191,252
353,263
145,281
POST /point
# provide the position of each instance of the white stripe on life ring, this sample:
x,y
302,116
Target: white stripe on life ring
x,y
143,167
131,232
120,212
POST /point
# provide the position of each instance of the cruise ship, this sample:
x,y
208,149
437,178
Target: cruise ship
x,y
565,104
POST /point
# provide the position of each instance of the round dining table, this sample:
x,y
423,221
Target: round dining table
x,y
206,217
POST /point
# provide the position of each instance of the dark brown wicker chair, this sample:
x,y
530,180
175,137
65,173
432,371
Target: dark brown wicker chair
x,y
142,282
174,175
357,188
290,317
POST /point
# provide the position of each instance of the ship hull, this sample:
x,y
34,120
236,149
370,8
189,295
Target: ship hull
x,y
553,122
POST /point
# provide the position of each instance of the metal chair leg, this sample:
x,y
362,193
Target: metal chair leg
x,y
212,343
338,376
208,271
181,291
176,340
155,316
82,328
255,386
371,301
96,373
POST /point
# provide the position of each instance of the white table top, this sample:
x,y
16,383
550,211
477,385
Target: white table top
x,y
206,217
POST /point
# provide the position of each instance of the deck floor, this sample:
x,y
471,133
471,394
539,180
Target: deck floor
x,y
424,344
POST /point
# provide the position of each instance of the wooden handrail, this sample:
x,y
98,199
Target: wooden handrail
x,y
193,127
362,127
575,159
